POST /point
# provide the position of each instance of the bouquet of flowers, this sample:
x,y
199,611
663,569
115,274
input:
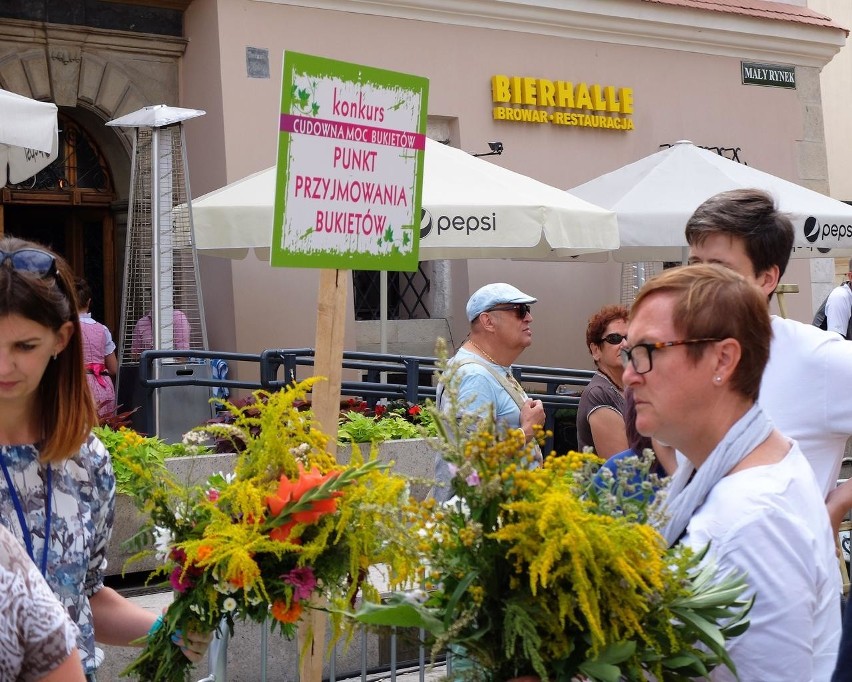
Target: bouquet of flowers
x,y
550,573
289,527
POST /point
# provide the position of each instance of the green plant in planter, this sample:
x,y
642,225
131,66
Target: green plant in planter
x,y
146,451
391,421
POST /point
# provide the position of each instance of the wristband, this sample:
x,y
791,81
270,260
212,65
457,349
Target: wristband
x,y
155,626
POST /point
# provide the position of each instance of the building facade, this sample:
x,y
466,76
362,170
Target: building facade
x,y
625,76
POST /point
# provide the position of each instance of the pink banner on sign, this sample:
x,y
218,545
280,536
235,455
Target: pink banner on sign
x,y
351,132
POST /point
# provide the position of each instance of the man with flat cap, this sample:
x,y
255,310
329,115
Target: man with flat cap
x,y
500,318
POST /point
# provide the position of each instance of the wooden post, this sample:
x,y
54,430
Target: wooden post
x,y
328,362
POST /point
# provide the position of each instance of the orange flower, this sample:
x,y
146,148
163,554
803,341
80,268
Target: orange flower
x,y
292,491
204,551
318,508
285,614
282,533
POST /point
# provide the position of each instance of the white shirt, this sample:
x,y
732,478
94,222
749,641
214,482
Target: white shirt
x,y
806,392
838,309
770,522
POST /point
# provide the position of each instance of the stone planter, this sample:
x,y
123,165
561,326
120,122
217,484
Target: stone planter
x,y
413,458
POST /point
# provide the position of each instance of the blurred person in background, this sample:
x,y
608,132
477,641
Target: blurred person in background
x,y
600,416
98,353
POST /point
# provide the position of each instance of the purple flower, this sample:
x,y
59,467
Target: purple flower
x,y
473,479
178,583
303,581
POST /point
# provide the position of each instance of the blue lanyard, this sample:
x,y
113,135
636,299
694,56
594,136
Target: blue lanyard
x,y
22,521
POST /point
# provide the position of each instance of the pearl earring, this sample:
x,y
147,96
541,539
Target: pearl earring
x,y
54,355
717,379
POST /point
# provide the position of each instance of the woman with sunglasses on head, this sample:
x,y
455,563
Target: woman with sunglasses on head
x,y
600,416
699,342
57,492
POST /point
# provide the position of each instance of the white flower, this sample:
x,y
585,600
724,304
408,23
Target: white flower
x,y
194,437
229,604
300,450
197,609
162,542
415,596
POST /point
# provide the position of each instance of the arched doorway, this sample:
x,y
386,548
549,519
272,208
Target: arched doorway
x,y
67,207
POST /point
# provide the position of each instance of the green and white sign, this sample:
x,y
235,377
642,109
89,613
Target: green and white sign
x,y
350,165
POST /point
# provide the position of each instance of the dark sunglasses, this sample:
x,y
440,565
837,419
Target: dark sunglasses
x,y
614,339
30,260
520,309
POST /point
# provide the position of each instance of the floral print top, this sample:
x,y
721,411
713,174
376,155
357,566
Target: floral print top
x,y
37,635
82,509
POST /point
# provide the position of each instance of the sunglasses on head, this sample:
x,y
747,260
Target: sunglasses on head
x,y
614,339
31,260
520,309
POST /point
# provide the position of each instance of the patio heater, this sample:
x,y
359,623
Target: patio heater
x,y
162,305
633,276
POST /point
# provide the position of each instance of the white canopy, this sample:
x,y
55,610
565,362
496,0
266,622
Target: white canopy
x,y
655,196
472,209
29,135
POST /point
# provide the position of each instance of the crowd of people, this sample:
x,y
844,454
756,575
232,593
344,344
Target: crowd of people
x,y
745,411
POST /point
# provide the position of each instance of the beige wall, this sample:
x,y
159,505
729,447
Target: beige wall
x,y
678,95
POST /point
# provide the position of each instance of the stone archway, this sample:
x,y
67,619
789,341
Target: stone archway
x,y
93,75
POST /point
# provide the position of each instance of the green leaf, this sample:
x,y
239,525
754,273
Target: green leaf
x,y
601,671
617,652
402,614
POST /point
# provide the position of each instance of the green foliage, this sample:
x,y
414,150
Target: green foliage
x,y
131,451
546,572
396,421
290,529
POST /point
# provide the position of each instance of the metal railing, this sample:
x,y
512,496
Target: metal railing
x,y
277,368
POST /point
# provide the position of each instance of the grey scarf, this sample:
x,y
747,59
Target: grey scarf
x,y
683,496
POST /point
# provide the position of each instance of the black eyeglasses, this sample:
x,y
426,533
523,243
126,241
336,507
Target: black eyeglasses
x,y
640,355
30,260
520,309
614,339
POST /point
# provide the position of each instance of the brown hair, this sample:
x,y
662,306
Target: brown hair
x,y
601,320
749,214
712,301
67,409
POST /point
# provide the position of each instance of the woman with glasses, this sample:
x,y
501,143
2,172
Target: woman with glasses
x,y
600,416
699,341
57,492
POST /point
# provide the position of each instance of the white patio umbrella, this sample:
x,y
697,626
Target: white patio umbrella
x,y
655,196
472,209
28,136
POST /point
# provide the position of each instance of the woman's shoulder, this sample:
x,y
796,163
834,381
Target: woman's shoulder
x,y
93,454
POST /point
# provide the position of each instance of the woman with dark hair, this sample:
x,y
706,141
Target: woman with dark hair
x,y
600,416
57,492
699,342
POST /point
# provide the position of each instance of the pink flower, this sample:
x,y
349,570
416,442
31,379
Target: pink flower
x,y
179,584
473,479
303,581
212,494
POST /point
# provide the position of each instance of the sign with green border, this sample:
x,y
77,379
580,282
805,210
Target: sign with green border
x,y
350,166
